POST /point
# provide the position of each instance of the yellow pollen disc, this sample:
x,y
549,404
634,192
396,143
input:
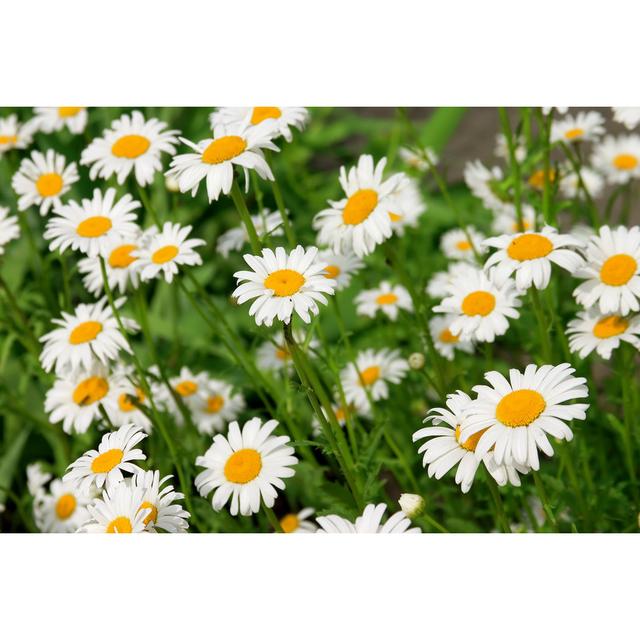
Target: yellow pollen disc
x,y
369,375
359,206
448,337
618,270
537,178
517,228
332,271
463,245
289,523
284,282
520,408
610,326
625,162
153,513
341,414
49,184
214,404
264,113
107,461
282,354
120,257
387,298
243,466
572,134
529,247
90,390
121,524
94,227
8,139
126,404
223,149
69,112
85,332
470,443
186,388
478,303
130,147
165,254
65,506
395,217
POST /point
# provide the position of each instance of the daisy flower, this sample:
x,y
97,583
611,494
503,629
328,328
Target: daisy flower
x,y
219,406
370,374
76,396
37,477
444,341
42,179
49,119
570,183
274,355
63,509
387,298
281,284
530,255
416,159
536,179
405,207
298,522
192,389
158,503
165,250
458,244
267,224
118,510
131,144
90,333
281,119
232,145
480,306
438,285
501,149
506,221
482,182
9,229
583,232
628,116
515,416
90,226
360,221
129,394
611,271
116,453
604,333
445,448
341,267
13,134
341,413
583,126
618,158
369,522
247,465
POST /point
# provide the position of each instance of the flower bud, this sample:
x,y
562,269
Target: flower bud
x,y
411,504
416,361
171,184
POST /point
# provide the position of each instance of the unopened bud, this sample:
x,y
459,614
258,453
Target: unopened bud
x,y
171,184
416,361
411,504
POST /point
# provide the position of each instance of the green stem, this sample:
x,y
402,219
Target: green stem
x,y
146,203
501,518
273,520
286,223
575,165
543,325
542,495
432,522
245,216
514,164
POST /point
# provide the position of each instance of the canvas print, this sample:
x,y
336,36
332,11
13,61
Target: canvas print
x,y
319,320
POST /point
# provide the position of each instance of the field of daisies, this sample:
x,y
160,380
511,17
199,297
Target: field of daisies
x,y
291,320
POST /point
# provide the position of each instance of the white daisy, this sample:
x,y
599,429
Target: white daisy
x,y
340,267
445,342
42,179
159,503
247,465
274,355
89,227
163,251
214,159
369,522
611,271
583,126
37,477
536,179
49,119
266,224
628,116
582,232
115,454
501,149
281,119
387,298
281,284
15,135
482,182
416,159
63,509
298,522
570,183
406,206
438,285
219,406
480,306
618,158
530,255
592,330
129,395
118,510
9,228
131,144
506,221
192,389
341,413
360,221
458,244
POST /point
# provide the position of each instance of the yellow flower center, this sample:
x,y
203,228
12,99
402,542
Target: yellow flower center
x,y
68,112
332,271
359,206
49,184
282,353
463,245
537,178
126,403
572,134
106,461
8,139
478,303
448,337
369,375
610,326
165,254
121,524
186,388
517,228
94,226
85,332
284,282
130,146
90,390
529,247
153,513
243,466
214,404
395,217
625,162
289,523
520,408
65,506
120,257
264,113
223,149
341,414
618,270
471,442
387,298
